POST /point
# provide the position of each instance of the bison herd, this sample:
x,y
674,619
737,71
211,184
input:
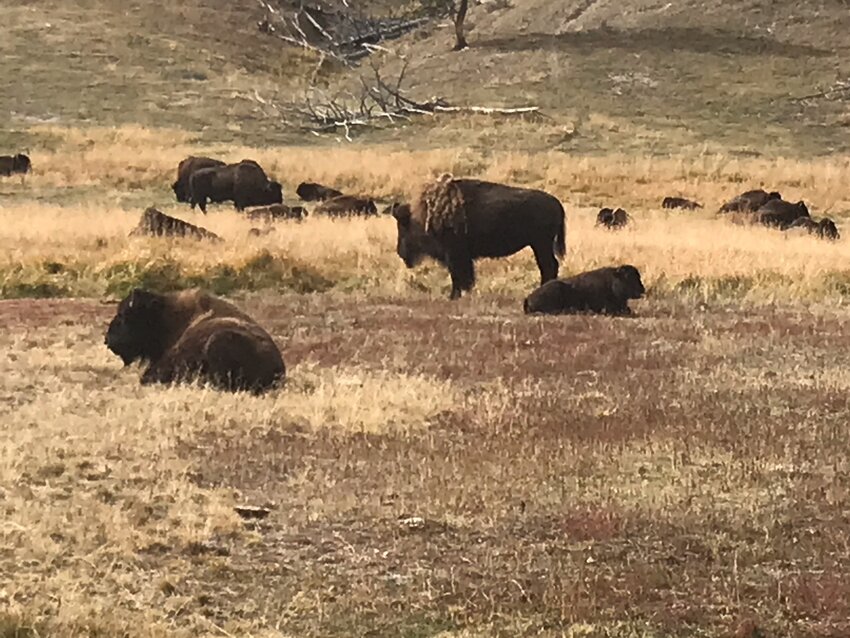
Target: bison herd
x,y
192,335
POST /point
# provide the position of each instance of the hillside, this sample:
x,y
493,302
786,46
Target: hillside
x,y
653,77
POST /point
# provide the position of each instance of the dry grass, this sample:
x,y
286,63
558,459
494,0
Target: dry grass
x,y
64,231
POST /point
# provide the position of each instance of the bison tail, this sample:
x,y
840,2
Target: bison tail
x,y
561,236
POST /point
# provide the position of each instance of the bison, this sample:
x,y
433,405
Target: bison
x,y
749,202
347,205
779,213
456,221
679,202
244,183
191,335
184,173
312,192
825,228
18,164
157,224
277,211
604,290
612,219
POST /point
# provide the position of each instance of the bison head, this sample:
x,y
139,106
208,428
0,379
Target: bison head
x,y
307,191
412,238
275,193
21,163
802,209
179,189
827,229
773,195
627,283
552,297
137,330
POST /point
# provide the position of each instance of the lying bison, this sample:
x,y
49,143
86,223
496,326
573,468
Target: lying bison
x,y
184,174
18,164
825,228
190,335
245,184
312,192
276,212
157,224
612,219
749,202
604,290
779,213
346,206
456,221
679,202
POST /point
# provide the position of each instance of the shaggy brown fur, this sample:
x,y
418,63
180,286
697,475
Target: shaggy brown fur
x,y
347,205
184,173
312,192
15,164
604,290
825,228
779,213
245,184
749,201
157,224
679,202
192,335
612,219
276,212
440,206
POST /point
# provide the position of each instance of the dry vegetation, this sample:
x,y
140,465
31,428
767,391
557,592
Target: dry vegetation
x,y
432,468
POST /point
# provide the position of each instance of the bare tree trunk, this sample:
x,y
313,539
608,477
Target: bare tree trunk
x,y
459,18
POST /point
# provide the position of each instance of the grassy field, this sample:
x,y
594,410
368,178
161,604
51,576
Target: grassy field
x,y
431,468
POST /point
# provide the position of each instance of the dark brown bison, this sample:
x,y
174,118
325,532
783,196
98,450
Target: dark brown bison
x,y
604,290
825,228
679,202
245,184
456,221
18,164
312,192
749,201
157,224
612,219
276,212
190,335
779,213
346,206
184,174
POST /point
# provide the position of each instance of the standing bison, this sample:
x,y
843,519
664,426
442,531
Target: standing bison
x,y
457,221
749,202
245,184
604,290
18,164
184,174
191,335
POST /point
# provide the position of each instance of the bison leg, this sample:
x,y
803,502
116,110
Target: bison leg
x,y
462,271
546,262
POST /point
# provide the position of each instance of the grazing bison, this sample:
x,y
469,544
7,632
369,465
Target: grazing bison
x,y
679,202
154,223
779,213
456,221
604,290
245,184
825,228
346,206
749,202
18,164
612,219
191,335
184,174
312,192
277,211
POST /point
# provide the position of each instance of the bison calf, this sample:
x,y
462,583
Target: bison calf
x,y
604,290
312,192
18,164
612,219
679,202
347,205
191,335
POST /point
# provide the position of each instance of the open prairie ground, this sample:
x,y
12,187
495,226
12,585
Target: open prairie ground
x,y
432,468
